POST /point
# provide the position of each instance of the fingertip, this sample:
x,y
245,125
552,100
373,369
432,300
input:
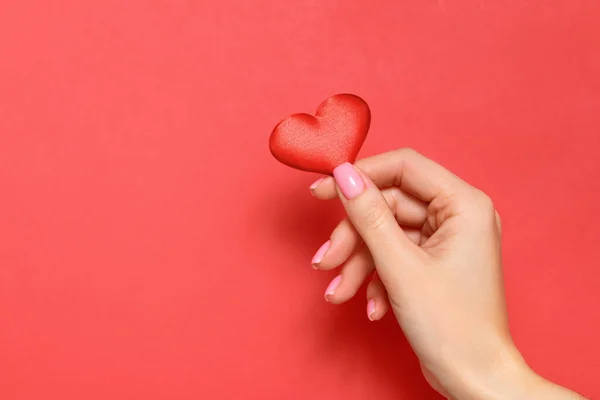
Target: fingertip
x,y
320,254
371,309
349,180
315,185
377,301
332,288
377,308
324,188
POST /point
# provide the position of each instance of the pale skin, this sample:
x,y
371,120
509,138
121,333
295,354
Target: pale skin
x,y
429,245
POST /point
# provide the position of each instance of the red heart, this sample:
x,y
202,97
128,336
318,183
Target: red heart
x,y
322,142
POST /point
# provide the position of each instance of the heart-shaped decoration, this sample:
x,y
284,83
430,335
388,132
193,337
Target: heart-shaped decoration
x,y
319,143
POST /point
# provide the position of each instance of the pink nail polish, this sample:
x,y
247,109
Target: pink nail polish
x,y
370,309
333,286
349,181
316,184
318,257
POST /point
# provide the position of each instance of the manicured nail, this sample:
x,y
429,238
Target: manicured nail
x,y
371,309
333,286
318,257
349,181
315,185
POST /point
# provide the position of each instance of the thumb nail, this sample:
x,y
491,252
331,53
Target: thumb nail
x,y
348,180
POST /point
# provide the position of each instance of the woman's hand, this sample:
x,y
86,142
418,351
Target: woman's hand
x,y
432,245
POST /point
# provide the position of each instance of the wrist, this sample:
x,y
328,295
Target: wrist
x,y
506,377
511,378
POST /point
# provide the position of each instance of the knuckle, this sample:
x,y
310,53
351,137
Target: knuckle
x,y
482,210
484,201
375,215
405,152
391,196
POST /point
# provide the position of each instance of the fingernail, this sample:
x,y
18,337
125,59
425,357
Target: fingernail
x,y
315,185
318,257
349,181
333,286
370,309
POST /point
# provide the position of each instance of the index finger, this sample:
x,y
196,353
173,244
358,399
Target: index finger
x,y
404,168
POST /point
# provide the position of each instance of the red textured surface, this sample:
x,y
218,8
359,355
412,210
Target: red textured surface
x,y
319,143
151,247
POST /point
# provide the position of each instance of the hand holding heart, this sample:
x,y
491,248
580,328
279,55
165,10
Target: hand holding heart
x,y
429,245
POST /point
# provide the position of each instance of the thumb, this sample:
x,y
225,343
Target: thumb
x,y
370,214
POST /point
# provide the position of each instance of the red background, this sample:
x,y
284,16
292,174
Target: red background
x,y
151,247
